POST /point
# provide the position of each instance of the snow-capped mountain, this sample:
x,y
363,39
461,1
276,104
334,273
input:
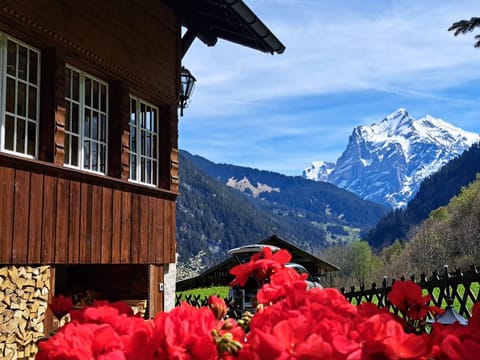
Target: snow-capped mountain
x,y
386,162
319,171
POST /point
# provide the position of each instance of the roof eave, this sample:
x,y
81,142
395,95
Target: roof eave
x,y
256,25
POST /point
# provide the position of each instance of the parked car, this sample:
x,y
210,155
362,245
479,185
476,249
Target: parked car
x,y
243,298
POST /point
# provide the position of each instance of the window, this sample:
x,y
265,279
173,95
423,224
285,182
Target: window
x,y
143,141
86,120
19,102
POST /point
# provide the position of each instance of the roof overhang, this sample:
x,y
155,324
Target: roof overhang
x,y
231,20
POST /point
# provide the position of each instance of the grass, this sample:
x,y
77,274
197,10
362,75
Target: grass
x,y
220,291
474,289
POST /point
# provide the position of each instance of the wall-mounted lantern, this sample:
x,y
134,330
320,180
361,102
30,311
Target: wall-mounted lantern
x,y
187,83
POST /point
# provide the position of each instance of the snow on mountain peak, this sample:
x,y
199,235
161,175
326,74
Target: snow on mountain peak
x,y
318,171
387,161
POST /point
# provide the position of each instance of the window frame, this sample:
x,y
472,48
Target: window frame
x,y
81,136
4,39
137,152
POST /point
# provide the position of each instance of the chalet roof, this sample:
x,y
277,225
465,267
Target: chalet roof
x,y
231,20
218,274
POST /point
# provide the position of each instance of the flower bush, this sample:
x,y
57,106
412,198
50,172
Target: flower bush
x,y
291,322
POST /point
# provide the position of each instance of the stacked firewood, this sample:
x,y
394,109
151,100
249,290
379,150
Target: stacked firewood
x,y
23,302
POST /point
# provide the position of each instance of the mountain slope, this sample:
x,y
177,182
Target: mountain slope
x,y
294,198
214,217
435,191
386,162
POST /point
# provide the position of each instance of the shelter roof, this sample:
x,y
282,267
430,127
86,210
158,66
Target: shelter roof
x,y
231,20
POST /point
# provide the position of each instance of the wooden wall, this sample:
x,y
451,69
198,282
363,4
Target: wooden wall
x,y
138,39
54,215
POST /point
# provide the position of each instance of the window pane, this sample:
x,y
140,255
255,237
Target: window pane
x,y
67,149
68,74
154,120
86,154
154,143
94,156
133,109
149,171
148,145
86,124
142,169
75,86
12,58
9,132
32,103
103,98
74,147
95,95
20,147
133,167
148,119
75,119
102,158
94,125
22,62
68,114
142,115
88,92
154,172
22,99
133,139
31,135
103,127
142,139
10,96
33,67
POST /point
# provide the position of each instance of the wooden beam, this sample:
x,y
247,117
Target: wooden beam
x,y
155,293
187,40
48,320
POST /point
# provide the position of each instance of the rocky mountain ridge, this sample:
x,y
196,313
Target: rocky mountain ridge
x,y
386,162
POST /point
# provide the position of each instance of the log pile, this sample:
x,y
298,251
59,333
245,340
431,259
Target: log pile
x,y
24,294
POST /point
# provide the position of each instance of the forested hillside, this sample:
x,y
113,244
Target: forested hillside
x,y
295,197
214,218
435,191
450,236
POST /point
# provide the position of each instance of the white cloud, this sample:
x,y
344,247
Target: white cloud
x,y
397,47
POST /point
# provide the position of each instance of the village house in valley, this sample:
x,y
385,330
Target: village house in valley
x,y
89,97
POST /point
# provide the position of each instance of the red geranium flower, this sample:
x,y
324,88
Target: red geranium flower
x,y
186,333
281,284
218,307
261,266
61,306
407,297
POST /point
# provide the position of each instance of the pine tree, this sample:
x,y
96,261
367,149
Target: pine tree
x,y
465,26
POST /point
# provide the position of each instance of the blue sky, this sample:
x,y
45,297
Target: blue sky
x,y
347,63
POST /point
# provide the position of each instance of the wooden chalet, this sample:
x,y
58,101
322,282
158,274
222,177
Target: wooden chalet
x,y
219,275
89,93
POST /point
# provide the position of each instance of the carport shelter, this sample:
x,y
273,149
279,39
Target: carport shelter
x,y
218,275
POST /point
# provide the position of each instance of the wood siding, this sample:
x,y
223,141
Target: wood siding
x,y
137,39
54,215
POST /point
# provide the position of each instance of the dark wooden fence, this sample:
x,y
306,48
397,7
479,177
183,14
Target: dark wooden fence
x,y
462,287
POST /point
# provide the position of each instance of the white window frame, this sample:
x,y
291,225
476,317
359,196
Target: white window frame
x,y
81,135
28,84
141,152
